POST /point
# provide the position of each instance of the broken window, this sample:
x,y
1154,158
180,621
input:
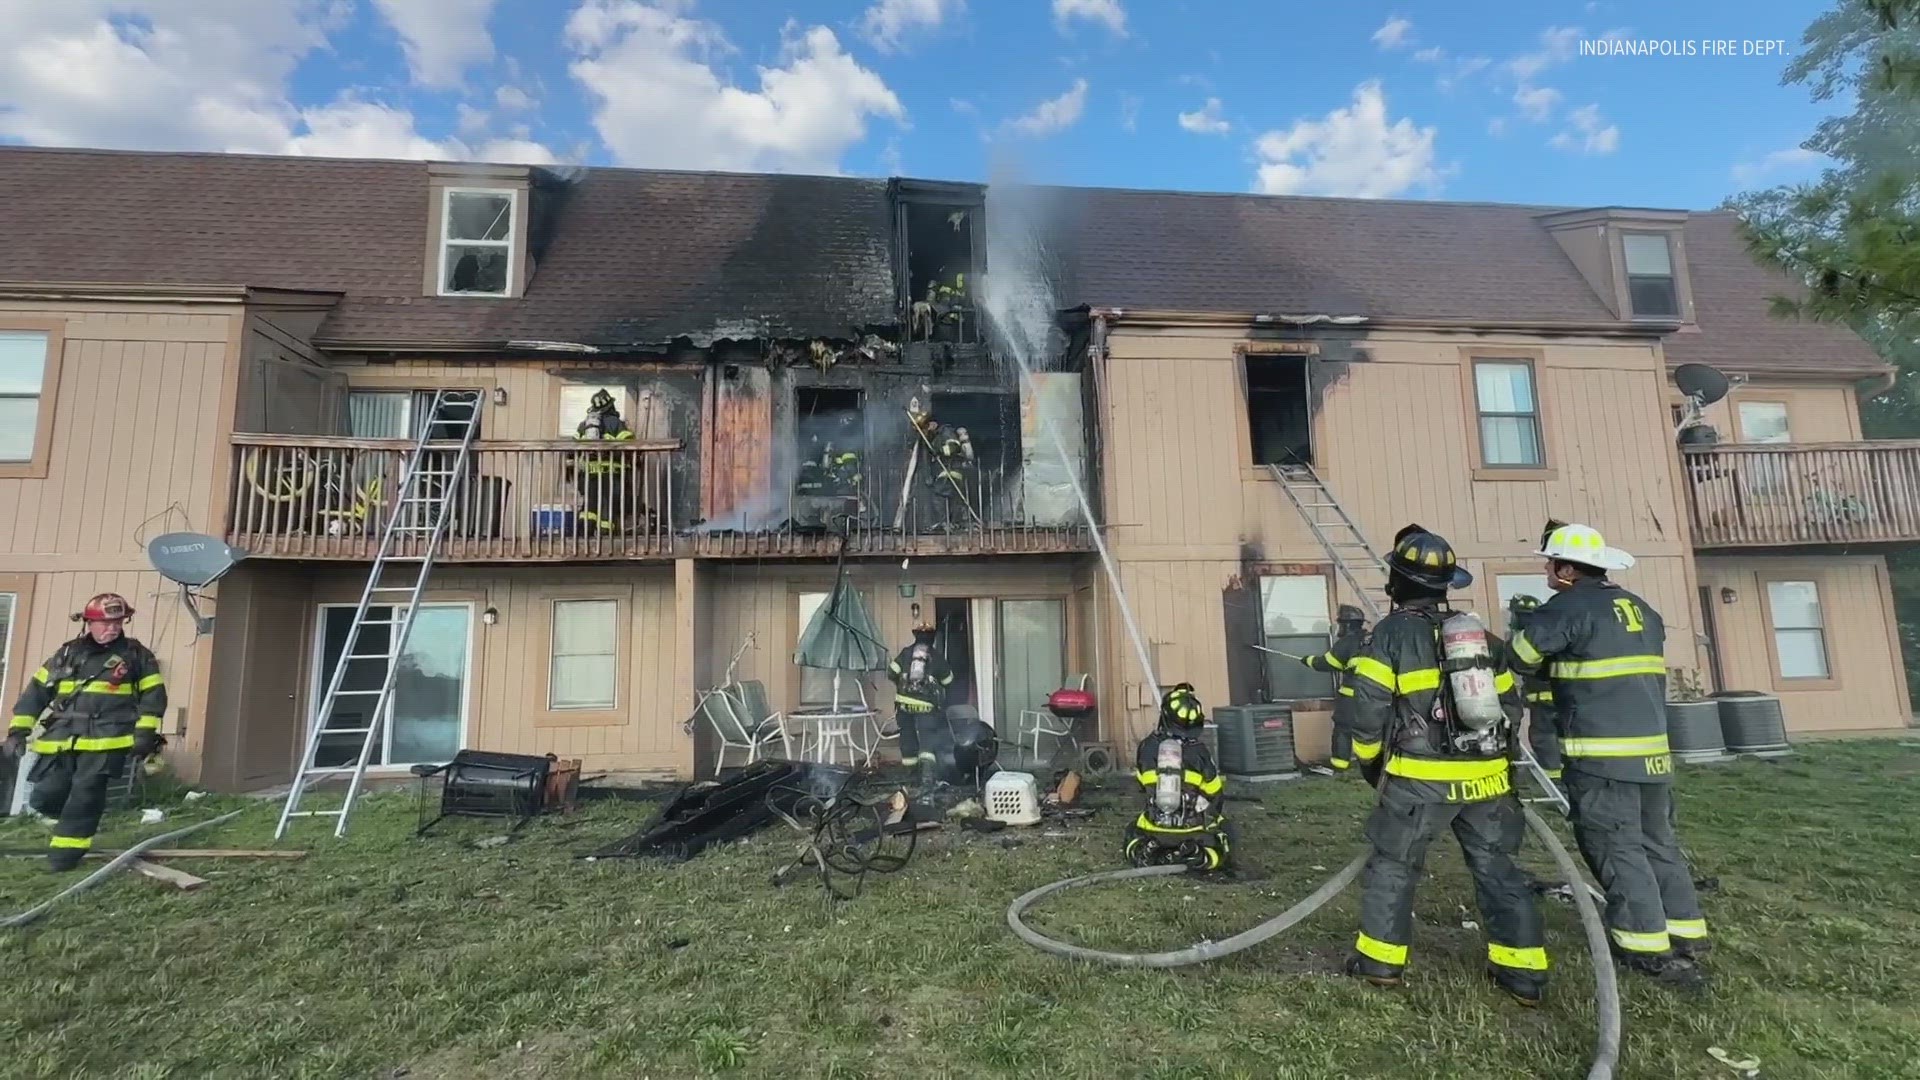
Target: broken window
x,y
830,440
1278,417
476,242
984,452
943,241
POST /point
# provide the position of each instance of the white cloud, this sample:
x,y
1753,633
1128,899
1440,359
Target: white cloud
x,y
890,158
1394,33
658,101
1052,115
1747,172
1130,112
1557,45
963,106
1107,12
363,129
1590,133
1352,150
441,38
1432,54
886,24
513,98
1206,120
1617,34
1496,127
472,121
1537,102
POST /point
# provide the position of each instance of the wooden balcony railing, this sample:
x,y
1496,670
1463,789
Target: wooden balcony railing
x,y
309,497
313,497
1794,495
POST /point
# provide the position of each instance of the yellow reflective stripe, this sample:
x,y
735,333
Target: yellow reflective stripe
x,y
1415,681
47,746
1375,949
1543,695
147,723
1374,671
1334,661
97,687
1552,774
150,682
1346,691
1503,682
1144,823
79,843
1340,763
1534,959
24,723
1633,746
1655,942
1207,787
1148,777
41,676
1365,751
1613,668
1524,649
1692,929
1441,770
110,742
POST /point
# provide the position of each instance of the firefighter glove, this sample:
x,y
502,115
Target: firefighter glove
x,y
145,743
15,746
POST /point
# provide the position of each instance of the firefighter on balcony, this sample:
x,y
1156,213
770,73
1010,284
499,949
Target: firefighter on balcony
x,y
103,696
1350,632
1543,732
1182,820
1436,710
954,473
948,295
920,678
603,479
840,463
1604,649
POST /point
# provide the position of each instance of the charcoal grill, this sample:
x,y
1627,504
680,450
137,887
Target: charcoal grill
x,y
483,784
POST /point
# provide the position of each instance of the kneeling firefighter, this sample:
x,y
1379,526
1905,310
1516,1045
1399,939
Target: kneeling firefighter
x,y
920,678
103,697
1181,821
1350,633
1436,709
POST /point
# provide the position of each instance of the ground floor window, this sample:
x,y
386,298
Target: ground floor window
x,y
1799,629
1508,586
426,715
1295,620
585,660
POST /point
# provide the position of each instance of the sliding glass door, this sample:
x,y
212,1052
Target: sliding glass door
x,y
1033,651
428,709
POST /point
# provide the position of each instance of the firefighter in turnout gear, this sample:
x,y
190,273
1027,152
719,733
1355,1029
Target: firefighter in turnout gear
x,y
603,480
1350,633
1181,821
1604,649
920,679
1543,731
102,696
1436,710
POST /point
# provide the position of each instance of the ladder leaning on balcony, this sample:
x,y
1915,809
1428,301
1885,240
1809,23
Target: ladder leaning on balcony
x,y
1366,574
429,486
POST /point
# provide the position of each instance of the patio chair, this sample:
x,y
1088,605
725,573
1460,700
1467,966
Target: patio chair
x,y
759,714
727,715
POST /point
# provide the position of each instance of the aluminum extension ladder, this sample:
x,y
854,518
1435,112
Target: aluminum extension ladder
x,y
423,505
1352,556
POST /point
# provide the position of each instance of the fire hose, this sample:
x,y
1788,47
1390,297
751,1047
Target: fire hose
x,y
1606,1053
106,871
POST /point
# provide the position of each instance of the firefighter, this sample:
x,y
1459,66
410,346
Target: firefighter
x,y
1441,741
920,677
1182,820
1543,732
602,479
1350,631
840,463
1604,650
953,472
103,697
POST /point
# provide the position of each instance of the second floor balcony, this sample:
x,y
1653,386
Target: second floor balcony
x,y
1819,495
330,498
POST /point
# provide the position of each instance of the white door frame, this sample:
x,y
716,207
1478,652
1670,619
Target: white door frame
x,y
316,686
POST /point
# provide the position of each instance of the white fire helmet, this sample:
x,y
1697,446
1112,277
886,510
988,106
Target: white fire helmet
x,y
1583,544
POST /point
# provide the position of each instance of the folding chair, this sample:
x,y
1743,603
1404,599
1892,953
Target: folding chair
x,y
726,714
758,713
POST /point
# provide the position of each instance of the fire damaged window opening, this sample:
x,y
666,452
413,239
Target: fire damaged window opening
x,y
991,423
1279,419
942,267
830,440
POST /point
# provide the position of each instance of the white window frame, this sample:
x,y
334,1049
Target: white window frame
x,y
1672,275
1481,414
553,642
623,400
513,229
406,408
1819,629
38,397
317,686
1786,421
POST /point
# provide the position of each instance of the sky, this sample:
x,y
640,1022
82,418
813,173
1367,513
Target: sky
x,y
1564,102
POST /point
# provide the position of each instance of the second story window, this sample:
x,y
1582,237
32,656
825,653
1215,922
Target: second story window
x,y
1651,290
476,242
23,369
1509,414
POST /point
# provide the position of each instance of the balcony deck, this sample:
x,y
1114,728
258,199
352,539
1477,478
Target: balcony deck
x,y
1808,495
327,499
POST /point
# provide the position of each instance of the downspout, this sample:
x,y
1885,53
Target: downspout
x,y
1873,389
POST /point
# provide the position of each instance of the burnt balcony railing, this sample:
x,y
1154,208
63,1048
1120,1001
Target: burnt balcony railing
x,y
1811,494
311,497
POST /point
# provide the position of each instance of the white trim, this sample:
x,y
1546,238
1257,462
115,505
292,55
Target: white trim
x,y
510,243
17,799
316,686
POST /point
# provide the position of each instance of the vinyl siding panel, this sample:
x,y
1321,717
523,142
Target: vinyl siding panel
x,y
1815,414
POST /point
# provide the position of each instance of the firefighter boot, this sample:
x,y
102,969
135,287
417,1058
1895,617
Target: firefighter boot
x,y
1667,969
1692,949
1373,971
1524,987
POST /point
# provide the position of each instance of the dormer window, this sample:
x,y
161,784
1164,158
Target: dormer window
x,y
1652,292
477,239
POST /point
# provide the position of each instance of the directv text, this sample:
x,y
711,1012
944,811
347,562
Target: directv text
x,y
1615,46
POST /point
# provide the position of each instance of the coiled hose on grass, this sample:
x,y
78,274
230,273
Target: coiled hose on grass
x,y
1606,990
117,862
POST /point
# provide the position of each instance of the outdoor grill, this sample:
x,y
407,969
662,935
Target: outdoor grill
x,y
482,784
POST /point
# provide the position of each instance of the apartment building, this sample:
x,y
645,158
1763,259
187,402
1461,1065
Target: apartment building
x,y
250,347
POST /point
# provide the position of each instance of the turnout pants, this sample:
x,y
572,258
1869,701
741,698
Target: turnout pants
x,y
1401,828
71,786
1626,833
1209,847
1342,758
909,722
1544,741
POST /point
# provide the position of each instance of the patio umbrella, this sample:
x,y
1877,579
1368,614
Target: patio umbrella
x,y
842,636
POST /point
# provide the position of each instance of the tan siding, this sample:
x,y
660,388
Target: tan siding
x,y
250,736
1861,651
1814,413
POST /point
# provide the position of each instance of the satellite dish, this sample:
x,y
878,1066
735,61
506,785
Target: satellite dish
x,y
191,558
1705,385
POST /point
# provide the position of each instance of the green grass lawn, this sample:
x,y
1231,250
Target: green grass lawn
x,y
383,955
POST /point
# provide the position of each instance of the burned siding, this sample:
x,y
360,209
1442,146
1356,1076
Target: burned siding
x,y
668,403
